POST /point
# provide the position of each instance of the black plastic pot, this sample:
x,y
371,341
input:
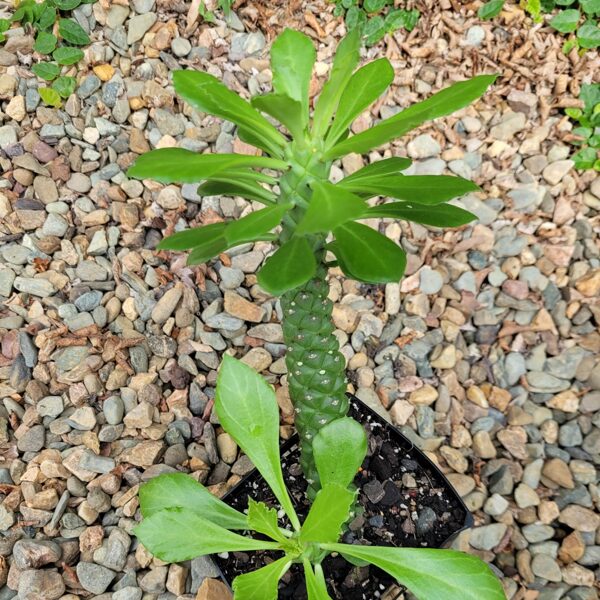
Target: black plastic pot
x,y
392,459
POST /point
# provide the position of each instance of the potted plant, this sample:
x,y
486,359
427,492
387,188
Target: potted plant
x,y
316,218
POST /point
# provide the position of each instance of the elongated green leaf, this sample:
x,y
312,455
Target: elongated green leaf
x,y
176,165
387,166
288,112
340,448
46,70
292,58
364,87
443,215
367,255
178,534
73,32
205,252
315,582
177,490
255,224
292,265
247,409
329,511
439,574
66,55
490,9
45,43
261,584
263,519
424,189
329,207
443,103
207,94
248,190
345,61
191,238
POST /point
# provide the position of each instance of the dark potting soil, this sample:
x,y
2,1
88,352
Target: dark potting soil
x,y
404,501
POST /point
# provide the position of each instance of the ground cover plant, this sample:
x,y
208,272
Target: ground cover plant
x,y
576,18
57,37
588,129
307,218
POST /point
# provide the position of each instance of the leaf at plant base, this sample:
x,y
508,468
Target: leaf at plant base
x,y
45,43
490,9
566,20
292,58
66,55
364,87
178,534
424,189
329,511
370,256
248,190
50,97
67,4
176,165
178,490
443,215
315,582
262,584
590,7
65,86
47,17
73,32
285,110
263,519
346,59
443,103
292,265
588,35
387,166
247,409
190,238
207,94
330,206
255,224
46,70
439,574
339,449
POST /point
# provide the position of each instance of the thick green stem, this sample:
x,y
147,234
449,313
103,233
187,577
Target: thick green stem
x,y
316,367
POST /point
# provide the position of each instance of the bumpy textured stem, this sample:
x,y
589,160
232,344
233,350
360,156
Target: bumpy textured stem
x,y
316,367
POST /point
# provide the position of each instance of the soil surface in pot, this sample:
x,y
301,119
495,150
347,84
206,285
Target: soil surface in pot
x,y
403,502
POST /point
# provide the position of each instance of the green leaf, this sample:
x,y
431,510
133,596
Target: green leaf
x,y
292,265
201,254
443,215
364,87
590,95
315,582
73,32
50,97
443,103
176,165
387,166
262,584
340,448
178,534
67,4
566,20
590,7
207,94
247,409
45,43
424,189
355,18
368,255
375,30
292,58
245,189
255,224
47,17
65,86
439,574
191,238
346,59
534,8
66,55
585,159
569,45
178,490
490,9
263,519
372,6
4,25
329,207
588,35
400,18
46,70
285,110
329,511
